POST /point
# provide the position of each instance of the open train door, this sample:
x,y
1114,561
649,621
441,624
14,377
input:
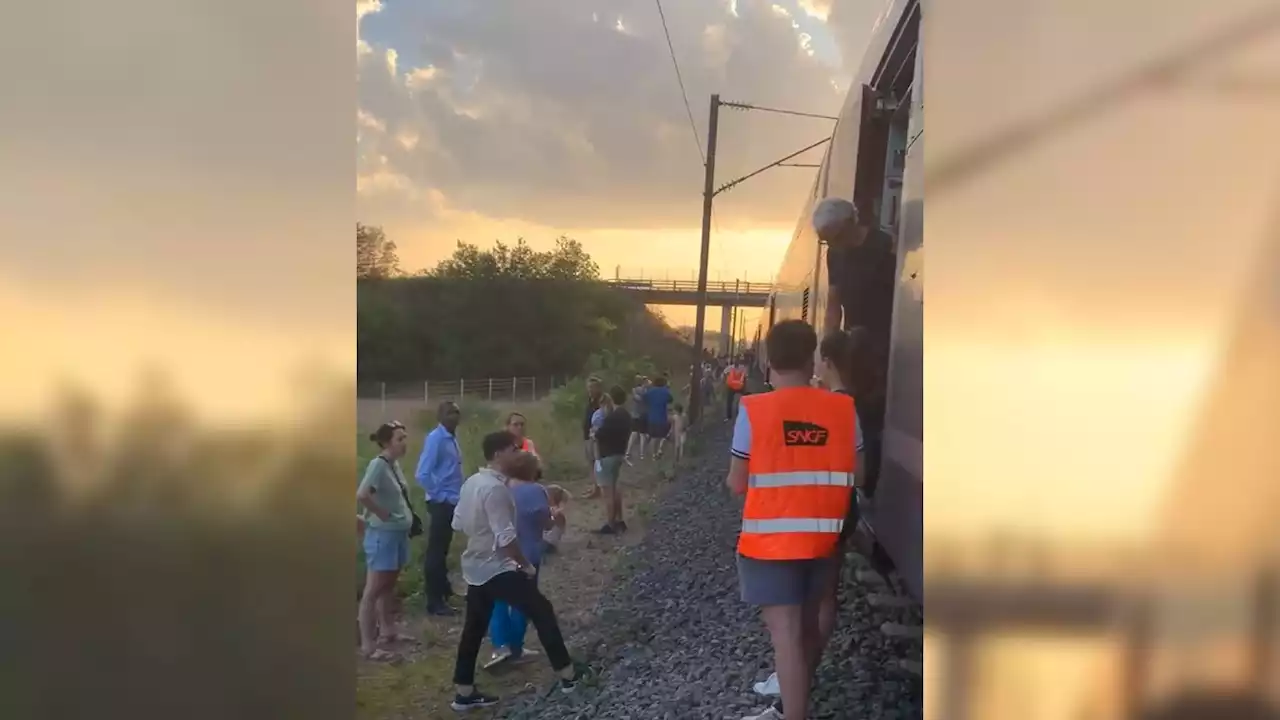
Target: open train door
x,y
857,168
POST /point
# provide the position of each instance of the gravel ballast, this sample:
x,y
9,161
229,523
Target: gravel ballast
x,y
675,642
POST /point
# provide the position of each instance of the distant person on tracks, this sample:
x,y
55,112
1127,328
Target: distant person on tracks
x,y
735,382
794,457
639,417
495,568
679,429
387,518
440,475
656,401
612,437
533,518
595,395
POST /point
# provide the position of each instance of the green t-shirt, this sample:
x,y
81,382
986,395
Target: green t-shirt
x,y
381,483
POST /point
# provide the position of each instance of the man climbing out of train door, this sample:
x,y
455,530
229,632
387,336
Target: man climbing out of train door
x,y
862,273
794,457
861,269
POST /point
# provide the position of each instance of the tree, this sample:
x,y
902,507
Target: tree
x,y
568,261
375,254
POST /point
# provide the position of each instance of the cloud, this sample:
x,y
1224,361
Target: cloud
x,y
568,113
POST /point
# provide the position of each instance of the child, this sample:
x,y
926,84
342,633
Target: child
x,y
557,497
507,625
678,430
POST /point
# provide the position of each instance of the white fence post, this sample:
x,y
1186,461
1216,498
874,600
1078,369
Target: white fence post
x,y
514,385
490,389
534,393
426,392
382,394
462,389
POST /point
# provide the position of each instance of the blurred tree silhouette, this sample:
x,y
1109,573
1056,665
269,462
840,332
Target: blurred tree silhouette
x,y
375,254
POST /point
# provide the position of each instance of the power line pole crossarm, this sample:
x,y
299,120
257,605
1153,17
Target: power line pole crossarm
x,y
699,326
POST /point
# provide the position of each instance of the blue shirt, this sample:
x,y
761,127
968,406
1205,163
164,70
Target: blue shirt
x,y
656,400
440,466
532,512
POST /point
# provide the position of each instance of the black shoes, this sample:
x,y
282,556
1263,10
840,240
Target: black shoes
x,y
475,700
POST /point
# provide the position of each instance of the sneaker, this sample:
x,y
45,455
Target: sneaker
x,y
769,687
476,699
526,655
500,655
770,713
568,686
606,530
441,610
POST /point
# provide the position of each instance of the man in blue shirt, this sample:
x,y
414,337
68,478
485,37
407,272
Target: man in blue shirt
x,y
656,399
440,475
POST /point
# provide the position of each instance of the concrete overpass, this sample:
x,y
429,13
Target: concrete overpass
x,y
725,294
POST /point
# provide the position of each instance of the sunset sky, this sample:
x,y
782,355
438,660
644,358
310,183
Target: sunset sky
x,y
494,121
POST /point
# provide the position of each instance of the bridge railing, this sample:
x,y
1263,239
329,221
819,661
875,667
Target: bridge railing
x,y
717,286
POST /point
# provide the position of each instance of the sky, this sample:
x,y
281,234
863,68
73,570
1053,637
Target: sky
x,y
508,119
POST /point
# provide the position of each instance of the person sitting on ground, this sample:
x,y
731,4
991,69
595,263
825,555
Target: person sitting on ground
x,y
558,498
794,458
678,429
657,399
495,568
533,518
386,517
611,449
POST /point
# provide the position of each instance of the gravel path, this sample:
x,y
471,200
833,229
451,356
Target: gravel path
x,y
676,643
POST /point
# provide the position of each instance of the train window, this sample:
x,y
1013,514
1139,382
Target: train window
x,y
804,306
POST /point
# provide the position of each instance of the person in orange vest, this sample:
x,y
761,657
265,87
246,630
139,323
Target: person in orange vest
x,y
735,381
516,426
794,457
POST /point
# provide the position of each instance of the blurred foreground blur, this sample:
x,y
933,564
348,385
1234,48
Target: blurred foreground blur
x,y
1103,373
157,566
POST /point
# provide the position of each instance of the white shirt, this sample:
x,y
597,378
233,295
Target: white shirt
x,y
486,515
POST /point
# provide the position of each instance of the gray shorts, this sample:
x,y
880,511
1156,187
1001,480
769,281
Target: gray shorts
x,y
610,470
785,582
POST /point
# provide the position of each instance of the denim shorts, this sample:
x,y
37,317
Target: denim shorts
x,y
785,582
386,550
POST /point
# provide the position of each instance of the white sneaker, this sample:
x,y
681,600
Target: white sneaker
x,y
769,687
770,713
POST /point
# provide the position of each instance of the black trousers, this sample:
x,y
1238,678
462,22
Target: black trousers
x,y
521,592
435,567
729,396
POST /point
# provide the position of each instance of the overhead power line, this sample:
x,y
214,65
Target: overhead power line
x,y
680,79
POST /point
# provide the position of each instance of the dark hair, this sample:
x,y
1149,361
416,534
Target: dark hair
x,y
660,381
496,442
617,394
385,432
445,406
790,345
513,416
524,467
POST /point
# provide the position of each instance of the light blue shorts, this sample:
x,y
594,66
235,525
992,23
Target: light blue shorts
x,y
386,550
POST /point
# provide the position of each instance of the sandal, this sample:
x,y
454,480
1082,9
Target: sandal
x,y
382,656
398,637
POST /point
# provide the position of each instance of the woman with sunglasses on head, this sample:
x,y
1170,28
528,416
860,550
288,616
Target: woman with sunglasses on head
x,y
387,518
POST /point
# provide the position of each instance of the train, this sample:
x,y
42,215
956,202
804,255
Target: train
x,y
875,158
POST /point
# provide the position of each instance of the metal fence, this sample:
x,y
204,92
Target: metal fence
x,y
380,401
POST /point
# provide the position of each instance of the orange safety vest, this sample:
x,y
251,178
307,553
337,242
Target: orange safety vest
x,y
735,379
803,458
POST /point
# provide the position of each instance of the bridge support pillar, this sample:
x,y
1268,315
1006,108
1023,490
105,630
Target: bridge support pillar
x,y
726,322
